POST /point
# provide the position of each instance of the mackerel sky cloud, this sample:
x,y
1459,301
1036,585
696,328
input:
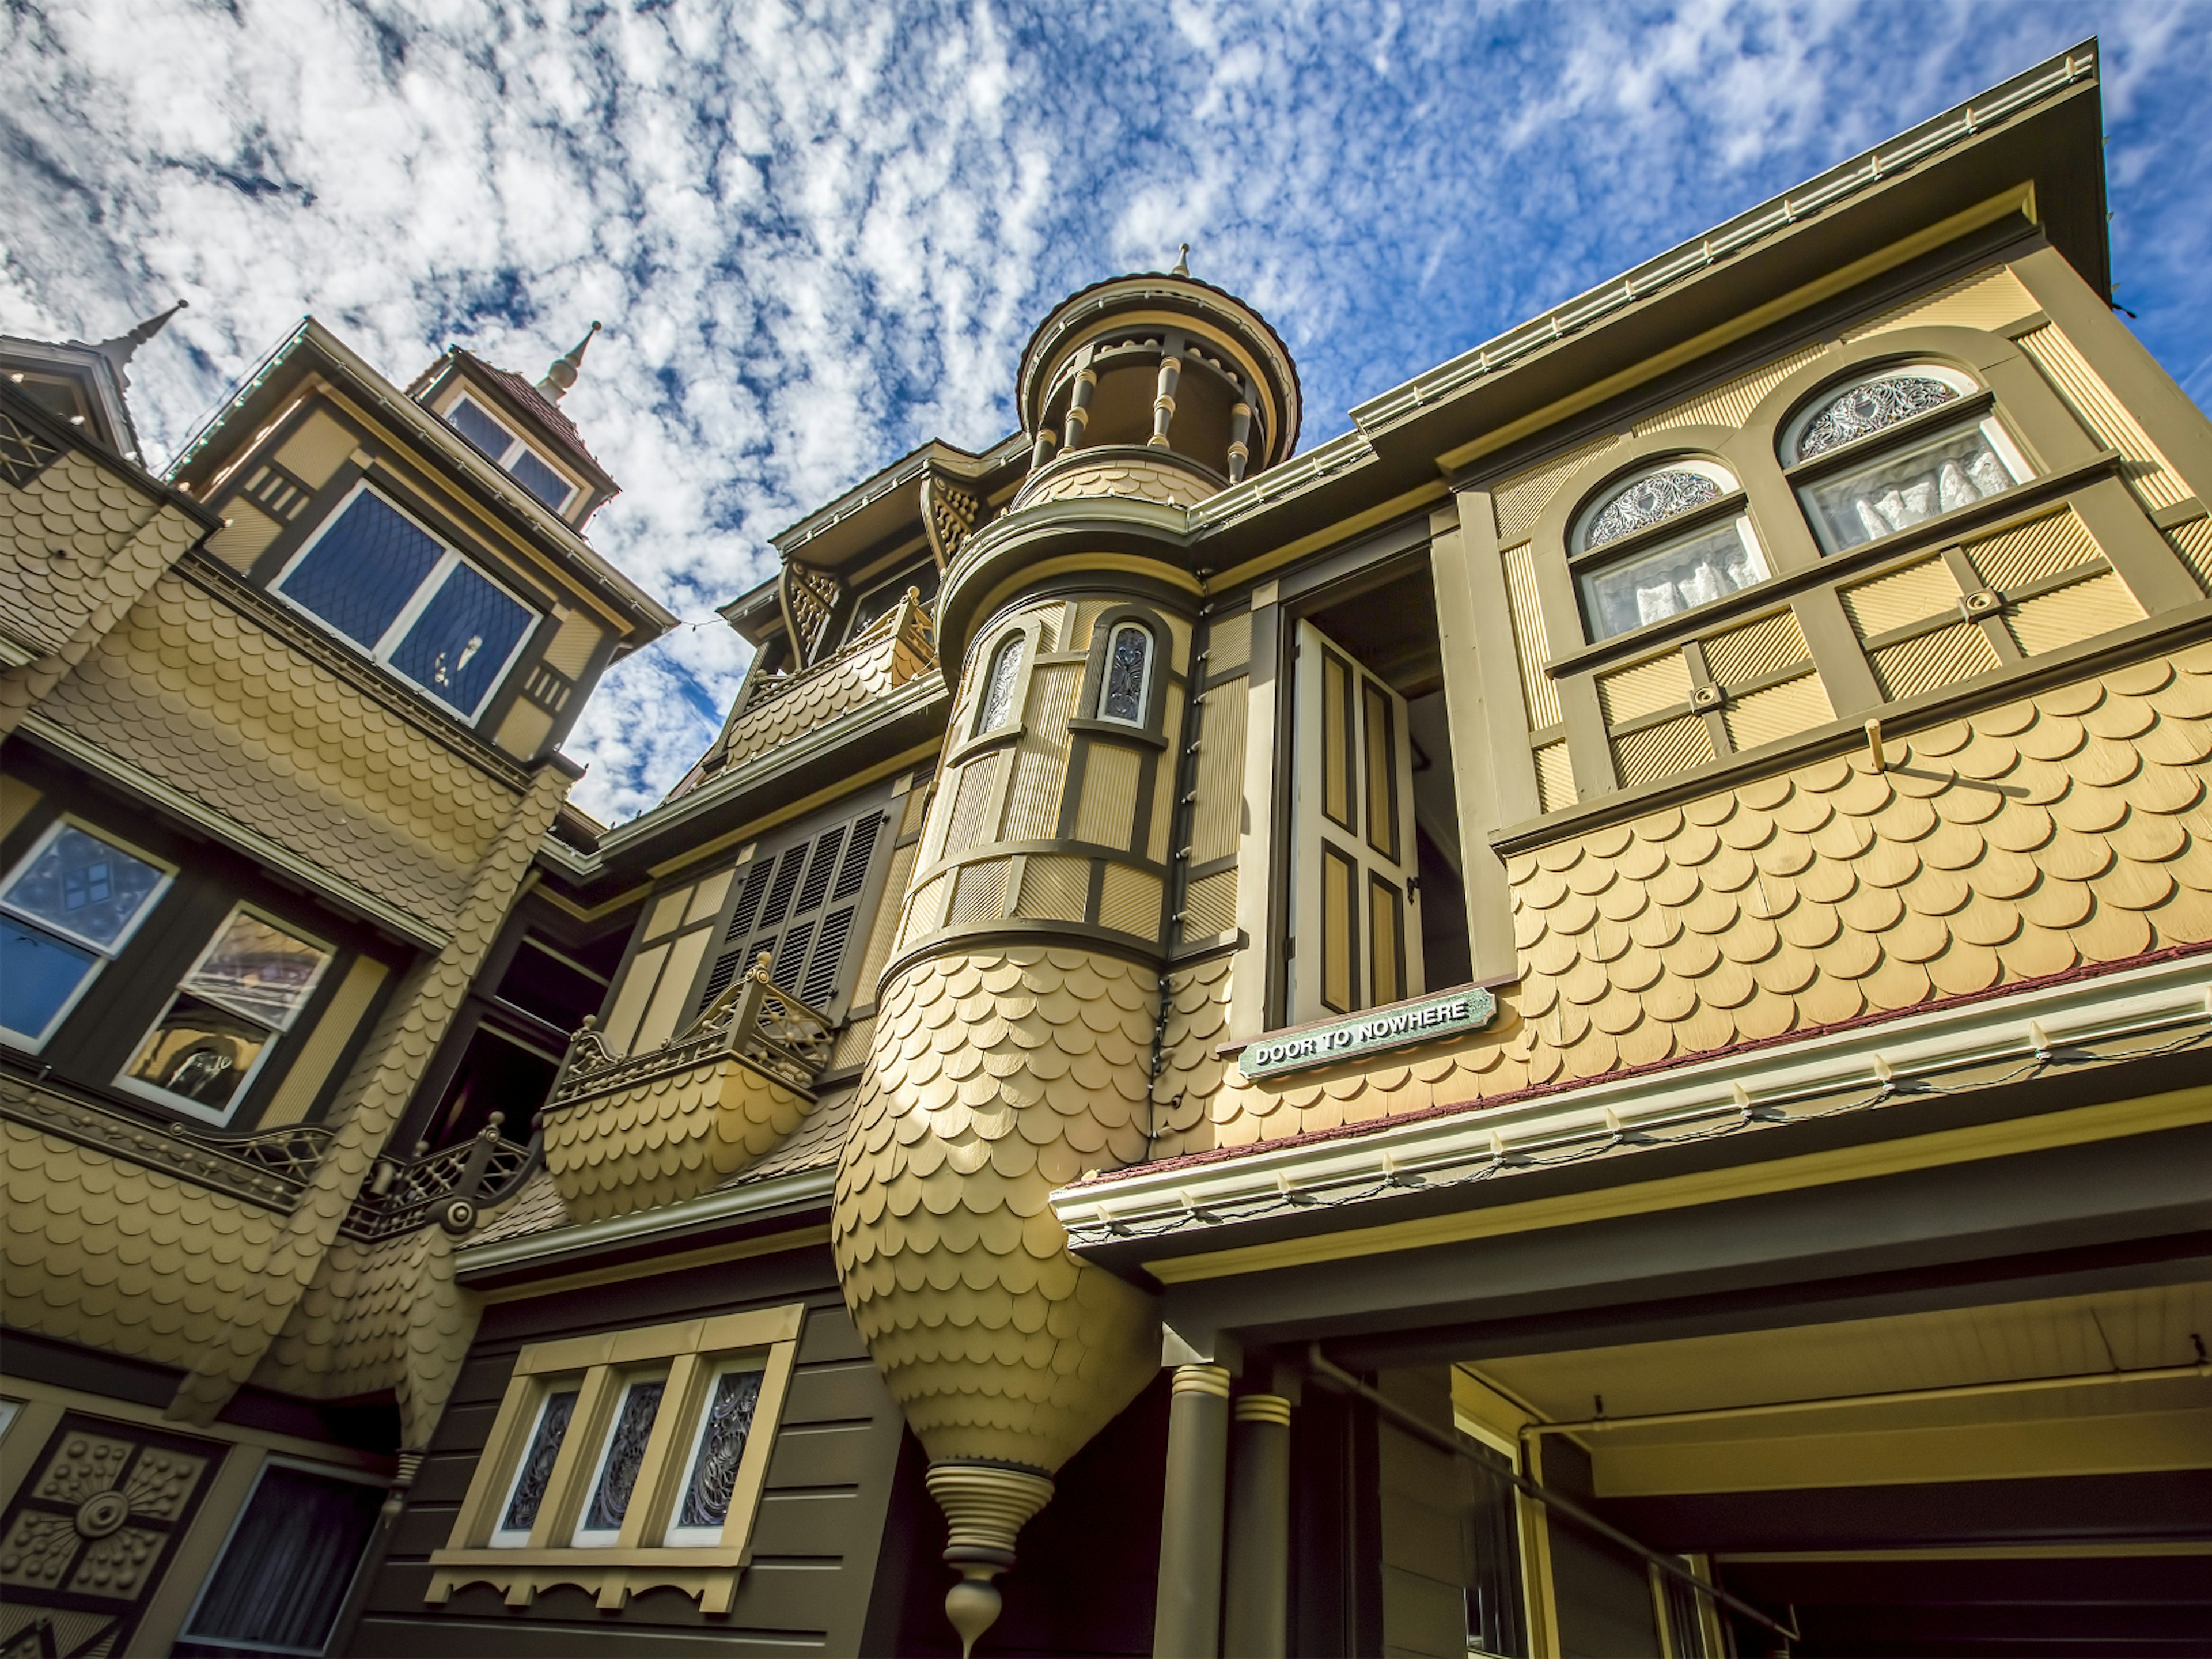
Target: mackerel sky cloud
x,y
819,236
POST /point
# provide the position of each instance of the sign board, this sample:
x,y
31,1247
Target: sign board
x,y
1455,1013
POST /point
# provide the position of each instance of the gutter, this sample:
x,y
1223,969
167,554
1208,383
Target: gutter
x,y
663,1223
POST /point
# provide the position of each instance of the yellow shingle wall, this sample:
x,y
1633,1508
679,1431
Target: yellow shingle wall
x,y
2067,828
997,1075
57,536
374,1093
113,1254
840,686
199,695
1122,475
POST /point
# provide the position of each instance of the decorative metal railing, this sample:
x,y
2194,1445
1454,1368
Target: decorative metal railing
x,y
451,1186
755,1020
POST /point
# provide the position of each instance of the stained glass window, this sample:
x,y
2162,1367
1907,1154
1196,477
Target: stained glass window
x,y
619,1466
1650,500
723,1429
1868,408
1126,662
536,1469
67,907
996,707
377,577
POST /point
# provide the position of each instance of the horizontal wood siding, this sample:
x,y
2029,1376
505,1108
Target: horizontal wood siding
x,y
822,1512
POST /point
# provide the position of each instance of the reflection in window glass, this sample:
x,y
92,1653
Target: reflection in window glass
x,y
461,641
75,891
199,1052
82,886
997,707
228,1011
284,1574
1903,487
1123,698
1672,578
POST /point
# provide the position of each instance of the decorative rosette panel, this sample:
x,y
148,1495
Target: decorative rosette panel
x,y
996,1075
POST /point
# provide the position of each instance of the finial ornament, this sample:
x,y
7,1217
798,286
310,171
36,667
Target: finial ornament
x,y
117,350
563,375
1182,262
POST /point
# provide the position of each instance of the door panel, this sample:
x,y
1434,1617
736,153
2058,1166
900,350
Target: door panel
x,y
1356,937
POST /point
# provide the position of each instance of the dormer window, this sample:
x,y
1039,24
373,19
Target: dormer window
x,y
1886,454
1635,567
484,429
373,574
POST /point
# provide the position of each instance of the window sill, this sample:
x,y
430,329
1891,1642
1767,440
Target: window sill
x,y
2022,502
1120,732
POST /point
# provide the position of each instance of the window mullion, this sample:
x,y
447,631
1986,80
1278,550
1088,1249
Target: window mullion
x,y
649,1497
412,612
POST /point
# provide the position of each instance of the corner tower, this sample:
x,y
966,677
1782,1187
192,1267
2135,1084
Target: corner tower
x,y
1018,1035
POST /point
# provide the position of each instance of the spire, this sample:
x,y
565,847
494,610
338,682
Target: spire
x,y
118,350
563,375
1183,263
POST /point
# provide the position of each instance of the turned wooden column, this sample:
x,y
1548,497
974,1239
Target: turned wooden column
x,y
1187,1621
1164,403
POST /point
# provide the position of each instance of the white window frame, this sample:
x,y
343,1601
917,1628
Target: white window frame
x,y
390,641
676,1533
102,954
1578,544
278,1032
518,446
1127,624
327,1471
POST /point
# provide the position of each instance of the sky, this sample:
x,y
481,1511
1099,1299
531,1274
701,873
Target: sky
x,y
819,236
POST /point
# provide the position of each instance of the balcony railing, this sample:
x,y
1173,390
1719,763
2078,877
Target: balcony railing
x,y
755,1020
451,1186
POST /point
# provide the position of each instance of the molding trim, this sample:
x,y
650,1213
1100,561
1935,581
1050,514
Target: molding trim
x,y
644,1226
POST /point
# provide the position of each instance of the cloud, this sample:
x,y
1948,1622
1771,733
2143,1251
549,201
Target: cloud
x,y
820,237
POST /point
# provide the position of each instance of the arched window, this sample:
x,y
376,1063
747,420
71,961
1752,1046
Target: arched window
x,y
1125,689
995,708
1635,565
1879,456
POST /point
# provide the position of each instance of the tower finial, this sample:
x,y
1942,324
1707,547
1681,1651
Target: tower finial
x,y
563,375
117,350
1182,262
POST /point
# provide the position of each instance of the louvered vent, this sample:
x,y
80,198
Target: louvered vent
x,y
818,874
790,956
854,875
741,920
786,880
828,951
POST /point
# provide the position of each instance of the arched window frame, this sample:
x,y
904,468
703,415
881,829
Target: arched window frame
x,y
1110,687
1090,701
1705,528
1015,644
1963,436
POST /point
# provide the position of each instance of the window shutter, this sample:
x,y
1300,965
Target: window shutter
x,y
804,926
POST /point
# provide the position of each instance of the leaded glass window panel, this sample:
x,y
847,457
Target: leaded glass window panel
x,y
1675,576
724,1427
619,1465
541,480
71,903
1902,487
1870,407
996,706
363,569
1128,662
536,1469
1652,499
480,429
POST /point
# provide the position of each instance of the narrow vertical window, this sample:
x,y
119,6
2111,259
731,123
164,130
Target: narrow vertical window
x,y
532,1475
716,1450
620,1462
996,708
1129,671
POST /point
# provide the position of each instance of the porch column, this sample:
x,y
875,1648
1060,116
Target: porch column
x,y
1255,1611
1187,1622
1078,409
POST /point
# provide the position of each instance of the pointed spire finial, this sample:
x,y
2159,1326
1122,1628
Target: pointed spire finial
x,y
1183,263
117,350
562,375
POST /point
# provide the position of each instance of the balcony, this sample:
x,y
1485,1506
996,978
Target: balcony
x,y
629,1133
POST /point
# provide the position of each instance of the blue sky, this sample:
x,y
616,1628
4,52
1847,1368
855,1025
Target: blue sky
x,y
818,236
